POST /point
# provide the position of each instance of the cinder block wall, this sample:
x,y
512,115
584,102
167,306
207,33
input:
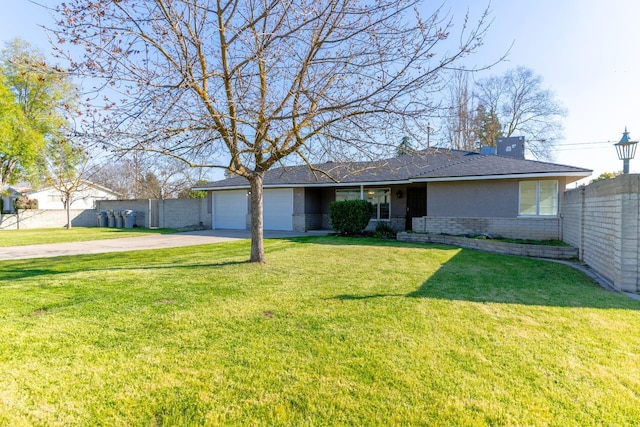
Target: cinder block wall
x,y
140,206
513,228
184,213
173,213
48,218
602,220
572,207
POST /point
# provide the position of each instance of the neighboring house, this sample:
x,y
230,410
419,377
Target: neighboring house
x,y
435,190
51,198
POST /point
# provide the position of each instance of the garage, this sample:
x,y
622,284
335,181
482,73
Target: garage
x,y
230,210
278,209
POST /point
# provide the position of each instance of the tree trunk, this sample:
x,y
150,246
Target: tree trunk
x,y
257,238
68,206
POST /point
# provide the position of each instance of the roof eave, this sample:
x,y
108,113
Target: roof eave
x,y
577,174
304,185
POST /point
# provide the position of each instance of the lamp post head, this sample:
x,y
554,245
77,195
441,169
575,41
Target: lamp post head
x,y
626,149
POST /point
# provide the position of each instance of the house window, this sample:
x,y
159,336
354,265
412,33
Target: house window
x,y
342,195
379,198
538,198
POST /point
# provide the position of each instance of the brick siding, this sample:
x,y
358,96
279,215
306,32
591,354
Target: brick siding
x,y
514,228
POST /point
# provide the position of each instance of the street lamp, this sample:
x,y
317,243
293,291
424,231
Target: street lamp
x,y
626,150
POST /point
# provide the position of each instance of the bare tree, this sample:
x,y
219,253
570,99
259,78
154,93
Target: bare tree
x,y
66,162
113,174
243,85
173,178
524,108
142,175
462,122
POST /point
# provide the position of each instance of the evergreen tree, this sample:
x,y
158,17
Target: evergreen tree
x,y
405,147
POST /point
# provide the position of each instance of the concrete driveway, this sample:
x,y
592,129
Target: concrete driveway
x,y
154,241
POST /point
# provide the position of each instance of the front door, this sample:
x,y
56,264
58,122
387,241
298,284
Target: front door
x,y
416,205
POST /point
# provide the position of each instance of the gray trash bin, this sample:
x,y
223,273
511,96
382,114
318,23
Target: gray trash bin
x,y
102,219
129,219
119,222
111,219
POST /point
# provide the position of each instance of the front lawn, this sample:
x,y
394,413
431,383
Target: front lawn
x,y
74,234
330,332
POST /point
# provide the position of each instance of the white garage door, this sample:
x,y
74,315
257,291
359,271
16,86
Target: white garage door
x,y
278,209
230,209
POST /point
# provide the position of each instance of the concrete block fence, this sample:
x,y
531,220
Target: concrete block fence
x,y
170,213
603,220
47,218
173,213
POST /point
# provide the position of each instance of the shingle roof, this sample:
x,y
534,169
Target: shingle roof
x,y
427,165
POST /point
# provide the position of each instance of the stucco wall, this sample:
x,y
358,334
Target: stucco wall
x,y
50,198
479,199
313,198
299,201
495,199
476,199
603,221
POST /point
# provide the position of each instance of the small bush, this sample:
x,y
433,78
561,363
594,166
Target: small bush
x,y
350,216
384,231
24,202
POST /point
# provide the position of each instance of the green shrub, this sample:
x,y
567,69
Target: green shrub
x,y
384,230
24,202
350,216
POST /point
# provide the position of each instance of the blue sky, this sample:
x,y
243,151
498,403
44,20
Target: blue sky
x,y
587,51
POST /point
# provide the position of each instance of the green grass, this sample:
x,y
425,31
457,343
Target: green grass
x,y
75,234
330,332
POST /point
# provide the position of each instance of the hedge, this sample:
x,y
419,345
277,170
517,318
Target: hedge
x,y
350,216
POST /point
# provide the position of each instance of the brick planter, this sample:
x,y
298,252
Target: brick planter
x,y
522,249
